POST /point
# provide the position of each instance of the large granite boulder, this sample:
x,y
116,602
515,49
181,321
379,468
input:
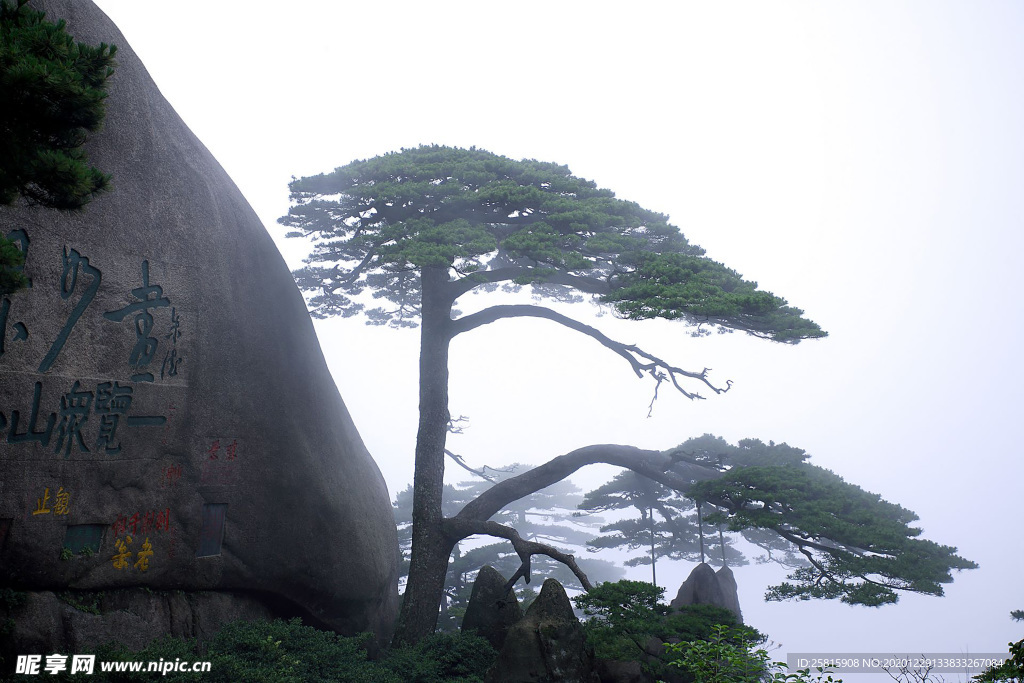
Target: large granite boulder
x,y
491,610
167,419
75,621
547,645
704,587
730,592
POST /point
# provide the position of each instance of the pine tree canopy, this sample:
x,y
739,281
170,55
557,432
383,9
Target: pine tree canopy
x,y
375,224
667,520
52,92
840,540
859,547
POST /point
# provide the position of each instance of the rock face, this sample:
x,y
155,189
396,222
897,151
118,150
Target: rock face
x,y
614,671
167,419
704,587
547,645
491,612
77,621
730,591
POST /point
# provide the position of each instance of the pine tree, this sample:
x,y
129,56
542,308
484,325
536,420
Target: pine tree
x,y
52,92
667,527
401,237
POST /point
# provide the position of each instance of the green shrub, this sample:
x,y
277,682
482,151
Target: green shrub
x,y
624,617
287,652
728,656
84,601
442,658
725,657
697,622
1010,671
11,599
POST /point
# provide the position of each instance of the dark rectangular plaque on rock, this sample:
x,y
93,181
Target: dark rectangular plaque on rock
x,y
5,528
211,536
81,536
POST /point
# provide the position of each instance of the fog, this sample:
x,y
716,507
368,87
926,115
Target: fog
x,y
864,161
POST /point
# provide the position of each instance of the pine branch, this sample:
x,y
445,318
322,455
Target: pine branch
x,y
641,361
463,528
588,285
652,464
462,463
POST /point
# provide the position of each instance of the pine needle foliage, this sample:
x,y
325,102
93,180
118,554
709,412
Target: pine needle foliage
x,y
860,548
376,223
52,92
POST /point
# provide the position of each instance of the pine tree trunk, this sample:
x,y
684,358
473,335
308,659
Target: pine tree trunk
x,y
654,570
700,530
431,548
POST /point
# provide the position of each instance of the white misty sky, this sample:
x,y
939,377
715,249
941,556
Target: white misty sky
x,y
864,160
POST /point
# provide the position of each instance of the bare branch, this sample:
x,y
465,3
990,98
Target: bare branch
x,y
455,424
641,361
659,377
462,463
462,528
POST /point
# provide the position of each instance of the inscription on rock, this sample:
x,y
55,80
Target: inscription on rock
x,y
75,401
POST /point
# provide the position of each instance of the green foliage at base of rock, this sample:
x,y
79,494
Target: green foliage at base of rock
x,y
442,658
279,651
11,599
83,601
728,656
627,622
285,651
